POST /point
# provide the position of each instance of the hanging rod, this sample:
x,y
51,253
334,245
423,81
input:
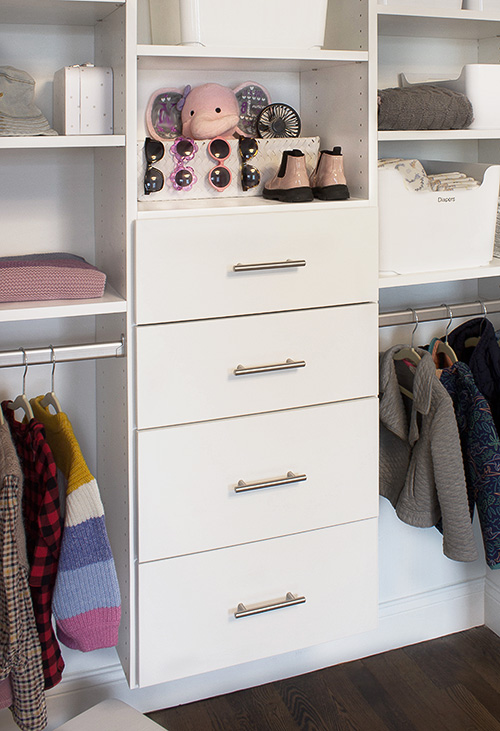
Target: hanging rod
x,y
439,312
62,353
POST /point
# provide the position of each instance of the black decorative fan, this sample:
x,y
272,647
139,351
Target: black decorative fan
x,y
278,120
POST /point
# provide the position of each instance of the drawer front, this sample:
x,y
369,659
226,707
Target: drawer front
x,y
324,257
187,604
187,473
189,371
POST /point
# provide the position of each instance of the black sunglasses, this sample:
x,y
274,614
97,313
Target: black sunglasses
x,y
153,178
250,176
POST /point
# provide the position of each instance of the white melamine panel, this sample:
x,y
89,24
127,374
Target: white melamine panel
x,y
189,472
185,271
187,605
57,12
185,371
51,199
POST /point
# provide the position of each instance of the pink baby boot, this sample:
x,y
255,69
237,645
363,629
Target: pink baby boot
x,y
328,181
291,183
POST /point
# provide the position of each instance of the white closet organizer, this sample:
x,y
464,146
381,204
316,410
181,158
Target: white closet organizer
x,y
440,45
251,521
436,44
428,44
67,194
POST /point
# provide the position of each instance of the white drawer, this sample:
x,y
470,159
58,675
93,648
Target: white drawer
x,y
186,371
187,473
186,605
185,272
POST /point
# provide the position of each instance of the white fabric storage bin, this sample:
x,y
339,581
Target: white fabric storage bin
x,y
431,231
277,24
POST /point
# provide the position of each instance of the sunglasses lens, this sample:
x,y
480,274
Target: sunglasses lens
x,y
219,149
153,181
154,150
220,177
248,148
250,177
184,148
183,178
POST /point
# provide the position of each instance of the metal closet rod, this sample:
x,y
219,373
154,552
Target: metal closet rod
x,y
61,353
440,312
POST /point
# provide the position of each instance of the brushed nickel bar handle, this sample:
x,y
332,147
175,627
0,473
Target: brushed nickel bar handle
x,y
287,264
242,371
290,601
290,478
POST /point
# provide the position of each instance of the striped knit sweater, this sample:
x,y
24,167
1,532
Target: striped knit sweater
x,y
86,601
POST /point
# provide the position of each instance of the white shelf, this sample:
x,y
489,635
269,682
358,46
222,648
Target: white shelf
x,y
155,57
400,20
110,303
57,12
439,134
257,204
61,141
453,275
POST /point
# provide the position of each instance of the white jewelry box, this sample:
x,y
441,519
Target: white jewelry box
x,y
83,100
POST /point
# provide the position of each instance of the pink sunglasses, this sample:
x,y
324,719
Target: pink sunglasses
x,y
220,176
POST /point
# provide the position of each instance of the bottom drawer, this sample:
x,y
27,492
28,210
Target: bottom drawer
x,y
187,605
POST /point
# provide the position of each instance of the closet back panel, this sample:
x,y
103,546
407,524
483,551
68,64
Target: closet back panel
x,y
74,382
47,201
43,49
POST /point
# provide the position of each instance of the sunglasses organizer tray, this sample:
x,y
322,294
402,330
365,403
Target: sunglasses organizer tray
x,y
267,161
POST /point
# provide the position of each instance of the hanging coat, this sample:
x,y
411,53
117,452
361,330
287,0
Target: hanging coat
x,y
43,525
20,651
421,468
483,359
481,454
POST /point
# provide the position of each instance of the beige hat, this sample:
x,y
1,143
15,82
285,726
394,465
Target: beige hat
x,y
19,117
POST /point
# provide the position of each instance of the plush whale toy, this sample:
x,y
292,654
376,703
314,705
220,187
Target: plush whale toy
x,y
206,111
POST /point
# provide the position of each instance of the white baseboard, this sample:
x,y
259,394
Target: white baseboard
x,y
492,603
404,621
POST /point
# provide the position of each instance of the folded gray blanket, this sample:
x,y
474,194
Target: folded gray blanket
x,y
423,106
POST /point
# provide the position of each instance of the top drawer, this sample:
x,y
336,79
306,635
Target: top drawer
x,y
185,270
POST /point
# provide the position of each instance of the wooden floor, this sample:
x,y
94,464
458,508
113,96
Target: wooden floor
x,y
448,684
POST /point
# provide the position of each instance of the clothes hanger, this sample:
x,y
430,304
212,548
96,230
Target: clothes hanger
x,y
472,342
21,402
445,347
409,353
50,398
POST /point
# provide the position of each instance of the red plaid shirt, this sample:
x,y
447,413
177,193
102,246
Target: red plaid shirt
x,y
43,525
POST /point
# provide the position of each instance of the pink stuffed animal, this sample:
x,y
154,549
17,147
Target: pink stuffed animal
x,y
206,111
209,111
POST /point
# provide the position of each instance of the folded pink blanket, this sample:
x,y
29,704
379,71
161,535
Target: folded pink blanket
x,y
49,277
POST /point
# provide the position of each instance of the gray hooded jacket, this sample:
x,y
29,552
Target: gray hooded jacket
x,y
421,466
